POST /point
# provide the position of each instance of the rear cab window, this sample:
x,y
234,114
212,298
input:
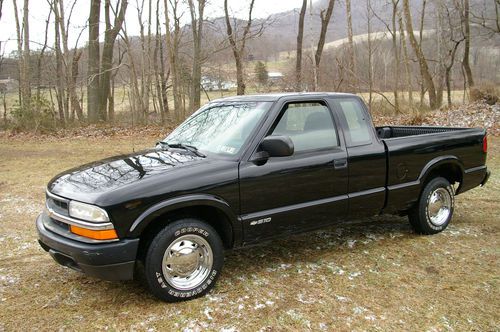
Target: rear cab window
x,y
356,121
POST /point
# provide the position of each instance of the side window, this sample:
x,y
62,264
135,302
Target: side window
x,y
309,125
358,125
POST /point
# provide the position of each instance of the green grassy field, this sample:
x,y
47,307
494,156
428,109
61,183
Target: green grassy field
x,y
372,275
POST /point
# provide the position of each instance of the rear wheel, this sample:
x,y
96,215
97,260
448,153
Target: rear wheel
x,y
183,260
434,209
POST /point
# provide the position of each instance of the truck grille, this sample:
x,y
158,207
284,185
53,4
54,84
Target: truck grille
x,y
57,204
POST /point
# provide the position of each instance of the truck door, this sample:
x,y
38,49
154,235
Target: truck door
x,y
303,191
366,158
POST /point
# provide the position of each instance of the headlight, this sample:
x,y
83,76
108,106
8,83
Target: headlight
x,y
87,212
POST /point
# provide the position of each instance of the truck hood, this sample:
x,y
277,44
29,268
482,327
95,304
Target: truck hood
x,y
90,181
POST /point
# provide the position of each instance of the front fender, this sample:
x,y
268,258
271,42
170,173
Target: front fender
x,y
182,202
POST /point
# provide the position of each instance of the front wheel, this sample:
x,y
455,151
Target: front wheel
x,y
434,209
183,260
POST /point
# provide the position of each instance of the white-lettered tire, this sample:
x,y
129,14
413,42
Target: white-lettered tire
x,y
184,260
434,209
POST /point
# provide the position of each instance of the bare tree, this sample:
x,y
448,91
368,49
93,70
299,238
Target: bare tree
x,y
466,28
60,91
325,15
20,63
197,17
23,50
26,52
159,70
93,61
488,18
100,67
68,59
300,37
424,68
239,50
41,56
406,58
350,48
392,29
173,40
369,14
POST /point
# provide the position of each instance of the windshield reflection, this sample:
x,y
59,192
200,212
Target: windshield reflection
x,y
220,128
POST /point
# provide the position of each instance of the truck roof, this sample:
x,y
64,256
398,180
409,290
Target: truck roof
x,y
276,96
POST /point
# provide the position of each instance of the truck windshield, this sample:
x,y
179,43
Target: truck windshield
x,y
219,128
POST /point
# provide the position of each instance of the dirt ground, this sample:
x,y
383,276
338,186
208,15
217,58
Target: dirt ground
x,y
372,275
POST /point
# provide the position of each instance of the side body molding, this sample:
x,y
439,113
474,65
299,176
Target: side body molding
x,y
185,201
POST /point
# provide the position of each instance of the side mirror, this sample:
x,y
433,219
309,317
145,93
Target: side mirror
x,y
277,146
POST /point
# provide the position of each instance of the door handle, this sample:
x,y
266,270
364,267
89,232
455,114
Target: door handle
x,y
340,163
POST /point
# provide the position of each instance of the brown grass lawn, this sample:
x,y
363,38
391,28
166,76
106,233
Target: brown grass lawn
x,y
373,275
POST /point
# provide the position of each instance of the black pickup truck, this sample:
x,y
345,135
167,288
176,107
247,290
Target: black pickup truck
x,y
246,169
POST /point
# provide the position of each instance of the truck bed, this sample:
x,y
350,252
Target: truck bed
x,y
412,151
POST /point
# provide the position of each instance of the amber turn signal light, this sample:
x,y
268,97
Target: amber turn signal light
x,y
107,234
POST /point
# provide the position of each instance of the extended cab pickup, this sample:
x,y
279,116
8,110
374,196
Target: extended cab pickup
x,y
246,169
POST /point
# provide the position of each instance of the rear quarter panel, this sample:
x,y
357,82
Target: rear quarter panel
x,y
411,158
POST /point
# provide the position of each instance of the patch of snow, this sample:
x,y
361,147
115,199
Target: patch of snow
x,y
301,299
341,298
359,310
8,279
335,269
353,275
228,329
259,306
207,312
213,298
370,317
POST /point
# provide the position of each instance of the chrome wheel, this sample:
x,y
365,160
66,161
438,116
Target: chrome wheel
x,y
187,262
439,206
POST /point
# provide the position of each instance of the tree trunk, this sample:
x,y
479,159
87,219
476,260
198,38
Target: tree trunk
x,y
300,37
197,30
238,51
75,103
406,60
325,21
369,14
93,62
26,54
424,68
59,71
173,54
465,61
40,59
68,69
396,55
420,38
107,54
352,62
19,53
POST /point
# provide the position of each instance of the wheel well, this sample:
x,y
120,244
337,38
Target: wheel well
x,y
211,215
450,171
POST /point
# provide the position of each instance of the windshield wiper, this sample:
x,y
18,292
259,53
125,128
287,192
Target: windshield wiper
x,y
187,147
